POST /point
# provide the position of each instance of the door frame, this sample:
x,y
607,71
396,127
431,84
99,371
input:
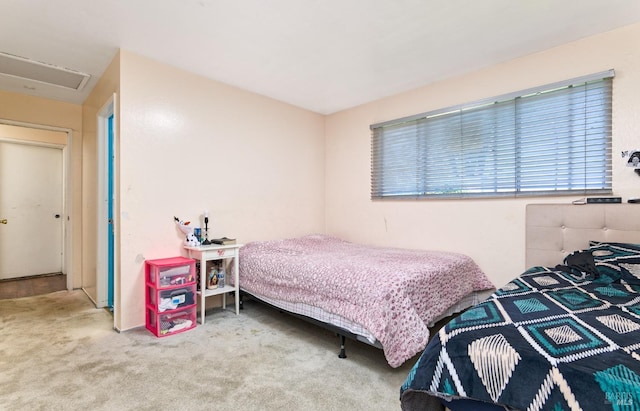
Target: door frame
x,y
102,264
67,195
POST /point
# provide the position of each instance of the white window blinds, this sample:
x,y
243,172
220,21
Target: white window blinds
x,y
552,140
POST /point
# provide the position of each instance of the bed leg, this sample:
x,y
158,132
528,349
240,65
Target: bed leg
x,y
342,351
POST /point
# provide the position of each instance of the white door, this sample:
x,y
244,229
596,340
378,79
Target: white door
x,y
31,203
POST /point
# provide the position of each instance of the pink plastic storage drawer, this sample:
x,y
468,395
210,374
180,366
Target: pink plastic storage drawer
x,y
169,272
173,322
167,299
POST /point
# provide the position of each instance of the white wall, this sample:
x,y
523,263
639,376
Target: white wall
x,y
490,231
188,144
265,169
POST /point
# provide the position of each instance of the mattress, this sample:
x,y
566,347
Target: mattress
x,y
362,333
393,294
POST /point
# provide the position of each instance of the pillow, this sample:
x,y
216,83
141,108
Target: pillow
x,y
621,260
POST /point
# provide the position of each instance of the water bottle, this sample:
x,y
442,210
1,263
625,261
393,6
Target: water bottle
x,y
221,275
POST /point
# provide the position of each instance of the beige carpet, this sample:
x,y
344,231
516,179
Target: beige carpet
x,y
58,352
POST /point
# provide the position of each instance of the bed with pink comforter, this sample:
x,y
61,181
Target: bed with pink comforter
x,y
393,293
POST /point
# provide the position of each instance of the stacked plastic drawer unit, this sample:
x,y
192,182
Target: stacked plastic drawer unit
x,y
170,295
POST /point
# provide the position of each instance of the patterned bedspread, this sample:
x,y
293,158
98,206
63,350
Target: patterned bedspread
x,y
551,339
393,293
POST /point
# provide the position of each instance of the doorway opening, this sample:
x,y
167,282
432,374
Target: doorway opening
x,y
107,283
35,204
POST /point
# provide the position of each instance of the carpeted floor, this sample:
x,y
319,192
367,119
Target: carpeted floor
x,y
58,352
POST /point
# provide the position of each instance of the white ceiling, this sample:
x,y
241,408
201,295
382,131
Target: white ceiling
x,y
322,55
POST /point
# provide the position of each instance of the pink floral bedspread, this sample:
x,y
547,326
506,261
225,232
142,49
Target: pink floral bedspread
x,y
394,293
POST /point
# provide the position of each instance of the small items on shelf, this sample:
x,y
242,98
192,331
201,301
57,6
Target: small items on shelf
x,y
212,279
215,279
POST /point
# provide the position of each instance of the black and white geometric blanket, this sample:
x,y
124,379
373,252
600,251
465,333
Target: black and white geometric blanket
x,y
550,339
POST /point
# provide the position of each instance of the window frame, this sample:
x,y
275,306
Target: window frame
x,y
409,168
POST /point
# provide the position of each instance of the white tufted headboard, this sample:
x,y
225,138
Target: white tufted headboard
x,y
555,230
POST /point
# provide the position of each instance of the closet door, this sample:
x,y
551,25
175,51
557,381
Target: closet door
x,y
31,202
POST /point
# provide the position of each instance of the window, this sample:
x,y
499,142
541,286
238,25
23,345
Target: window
x,y
552,140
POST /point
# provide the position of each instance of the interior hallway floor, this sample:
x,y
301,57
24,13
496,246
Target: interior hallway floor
x,y
36,285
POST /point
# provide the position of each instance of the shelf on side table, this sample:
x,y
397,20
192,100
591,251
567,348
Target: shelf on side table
x,y
216,291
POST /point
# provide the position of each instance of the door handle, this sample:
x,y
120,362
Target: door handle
x,y
3,221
